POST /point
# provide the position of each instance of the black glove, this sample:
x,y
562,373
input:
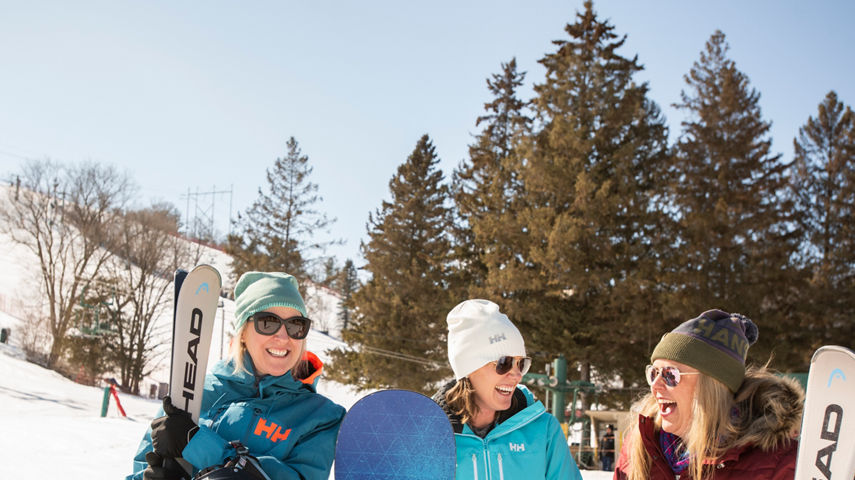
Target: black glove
x,y
158,469
171,432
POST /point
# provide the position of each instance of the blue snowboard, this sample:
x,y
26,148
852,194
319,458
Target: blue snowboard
x,y
395,434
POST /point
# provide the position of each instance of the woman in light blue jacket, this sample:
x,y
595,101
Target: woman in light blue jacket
x,y
262,397
501,431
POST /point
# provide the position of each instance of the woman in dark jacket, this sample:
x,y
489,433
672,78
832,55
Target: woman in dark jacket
x,y
706,417
262,396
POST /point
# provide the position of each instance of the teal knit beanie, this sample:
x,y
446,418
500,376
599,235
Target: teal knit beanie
x,y
258,291
716,343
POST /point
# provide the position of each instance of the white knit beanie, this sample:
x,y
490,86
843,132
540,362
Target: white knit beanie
x,y
479,333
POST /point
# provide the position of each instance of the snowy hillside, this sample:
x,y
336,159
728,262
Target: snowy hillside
x,y
20,297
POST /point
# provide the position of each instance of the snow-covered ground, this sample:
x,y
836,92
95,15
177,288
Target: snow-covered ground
x,y
52,426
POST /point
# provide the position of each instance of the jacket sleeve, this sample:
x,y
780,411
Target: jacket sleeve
x,y
559,464
206,449
312,457
621,462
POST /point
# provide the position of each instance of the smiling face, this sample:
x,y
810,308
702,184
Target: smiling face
x,y
273,354
675,403
493,392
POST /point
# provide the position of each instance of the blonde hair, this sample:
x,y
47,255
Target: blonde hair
x,y
710,433
237,351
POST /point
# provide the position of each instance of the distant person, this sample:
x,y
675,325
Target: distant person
x,y
706,416
262,395
607,449
500,430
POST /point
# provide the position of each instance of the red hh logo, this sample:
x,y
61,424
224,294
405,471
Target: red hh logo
x,y
272,431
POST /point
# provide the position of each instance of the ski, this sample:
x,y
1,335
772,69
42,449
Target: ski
x,y
827,440
395,434
195,309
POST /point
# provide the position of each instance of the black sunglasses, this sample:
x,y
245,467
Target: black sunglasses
x,y
267,323
505,363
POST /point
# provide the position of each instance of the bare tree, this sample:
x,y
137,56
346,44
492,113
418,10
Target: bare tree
x,y
64,216
147,253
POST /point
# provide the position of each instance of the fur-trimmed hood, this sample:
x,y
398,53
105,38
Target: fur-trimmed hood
x,y
769,410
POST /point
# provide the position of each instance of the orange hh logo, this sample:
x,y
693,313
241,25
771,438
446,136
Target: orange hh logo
x,y
272,431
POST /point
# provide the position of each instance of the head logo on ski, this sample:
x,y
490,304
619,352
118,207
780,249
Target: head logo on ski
x,y
827,442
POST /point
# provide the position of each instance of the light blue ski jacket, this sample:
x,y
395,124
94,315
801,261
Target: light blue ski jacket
x,y
283,422
529,445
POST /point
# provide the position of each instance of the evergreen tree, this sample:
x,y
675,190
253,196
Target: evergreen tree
x,y
282,230
823,188
590,227
486,187
398,330
348,284
734,245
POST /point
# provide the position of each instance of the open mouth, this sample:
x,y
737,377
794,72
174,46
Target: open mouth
x,y
278,353
666,407
504,390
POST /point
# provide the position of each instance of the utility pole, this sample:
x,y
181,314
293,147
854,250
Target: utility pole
x,y
203,214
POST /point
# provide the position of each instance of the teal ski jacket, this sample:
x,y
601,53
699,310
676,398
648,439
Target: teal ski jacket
x,y
283,422
528,443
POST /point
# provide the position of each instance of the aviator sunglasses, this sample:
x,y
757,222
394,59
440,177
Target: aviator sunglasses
x,y
267,323
670,375
505,363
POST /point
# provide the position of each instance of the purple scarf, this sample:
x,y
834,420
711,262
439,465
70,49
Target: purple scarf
x,y
674,451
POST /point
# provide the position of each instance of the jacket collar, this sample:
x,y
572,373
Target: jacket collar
x,y
650,438
268,386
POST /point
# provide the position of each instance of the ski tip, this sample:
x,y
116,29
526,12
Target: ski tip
x,y
178,278
211,268
831,348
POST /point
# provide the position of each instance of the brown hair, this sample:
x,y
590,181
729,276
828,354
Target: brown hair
x,y
461,400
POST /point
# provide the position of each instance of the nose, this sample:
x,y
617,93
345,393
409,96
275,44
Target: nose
x,y
282,333
658,383
515,372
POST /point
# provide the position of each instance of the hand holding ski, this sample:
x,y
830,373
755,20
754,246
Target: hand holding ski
x,y
171,432
196,298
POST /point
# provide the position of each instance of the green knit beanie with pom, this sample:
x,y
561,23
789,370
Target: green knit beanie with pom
x,y
716,343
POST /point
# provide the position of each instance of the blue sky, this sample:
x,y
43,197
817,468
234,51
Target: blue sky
x,y
197,96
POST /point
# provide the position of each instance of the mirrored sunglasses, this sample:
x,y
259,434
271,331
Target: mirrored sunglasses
x,y
505,363
267,323
670,375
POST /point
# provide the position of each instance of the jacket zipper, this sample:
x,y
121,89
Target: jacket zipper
x,y
486,454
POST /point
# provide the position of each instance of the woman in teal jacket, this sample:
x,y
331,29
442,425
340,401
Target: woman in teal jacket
x,y
262,396
501,431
